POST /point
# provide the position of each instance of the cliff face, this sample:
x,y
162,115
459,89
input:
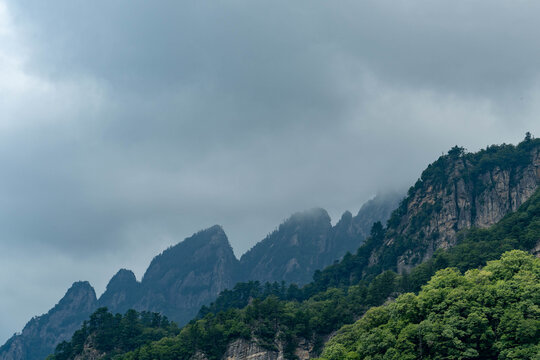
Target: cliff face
x,y
42,333
351,231
121,293
307,242
177,283
250,350
377,209
460,191
290,253
188,275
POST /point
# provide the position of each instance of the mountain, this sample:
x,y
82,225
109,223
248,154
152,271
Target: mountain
x,y
177,283
43,333
307,242
458,191
287,321
189,274
122,291
179,280
193,272
483,314
291,253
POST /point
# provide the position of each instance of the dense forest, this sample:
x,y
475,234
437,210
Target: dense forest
x,y
105,333
488,313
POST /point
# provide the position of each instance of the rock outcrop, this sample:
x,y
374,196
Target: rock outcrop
x,y
292,252
250,350
121,293
188,275
307,242
460,191
42,333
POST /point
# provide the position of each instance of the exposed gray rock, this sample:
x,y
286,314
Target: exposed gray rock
x,y
465,199
41,334
242,349
307,242
121,293
291,253
186,276
89,351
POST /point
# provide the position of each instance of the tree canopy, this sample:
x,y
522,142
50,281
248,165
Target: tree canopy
x,y
488,313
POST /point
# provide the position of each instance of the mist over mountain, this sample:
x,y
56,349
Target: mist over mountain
x,y
307,242
193,272
126,126
466,210
458,191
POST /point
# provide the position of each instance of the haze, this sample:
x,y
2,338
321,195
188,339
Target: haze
x,y
126,126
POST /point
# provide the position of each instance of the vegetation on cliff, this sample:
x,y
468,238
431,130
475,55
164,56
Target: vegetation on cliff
x,y
106,334
273,314
338,296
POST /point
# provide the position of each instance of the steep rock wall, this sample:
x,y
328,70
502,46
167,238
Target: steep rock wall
x,y
466,194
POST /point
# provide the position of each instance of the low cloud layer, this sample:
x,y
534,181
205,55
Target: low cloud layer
x,y
127,126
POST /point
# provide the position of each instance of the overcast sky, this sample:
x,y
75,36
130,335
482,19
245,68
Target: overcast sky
x,y
128,125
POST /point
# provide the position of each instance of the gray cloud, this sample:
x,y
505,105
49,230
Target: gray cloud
x,y
126,126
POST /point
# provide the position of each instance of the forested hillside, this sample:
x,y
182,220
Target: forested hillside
x,y
194,271
488,313
288,319
105,334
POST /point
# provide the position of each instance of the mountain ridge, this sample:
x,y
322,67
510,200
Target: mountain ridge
x,y
294,323
344,290
59,322
457,191
204,284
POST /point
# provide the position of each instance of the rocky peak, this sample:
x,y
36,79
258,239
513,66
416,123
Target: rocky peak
x,y
346,217
188,275
291,252
306,242
458,191
192,253
42,333
315,216
81,293
121,292
121,278
376,209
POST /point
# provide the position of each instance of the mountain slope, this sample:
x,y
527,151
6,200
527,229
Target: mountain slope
x,y
458,191
292,322
291,252
42,333
188,275
193,272
122,291
307,242
490,313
